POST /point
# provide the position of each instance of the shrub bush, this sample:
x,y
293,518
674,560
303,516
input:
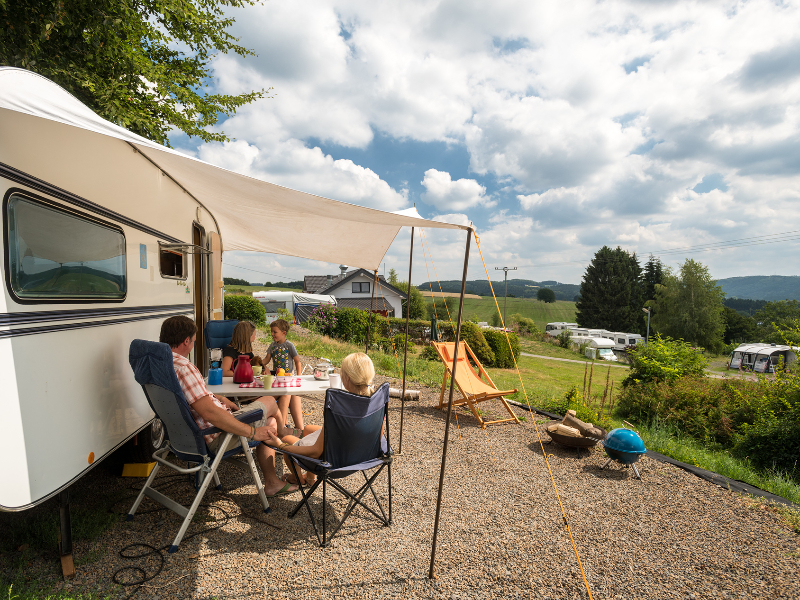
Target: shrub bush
x,y
245,308
573,400
351,325
473,335
323,319
499,344
565,339
664,359
429,353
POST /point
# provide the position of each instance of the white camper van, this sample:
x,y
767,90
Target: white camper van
x,y
600,349
299,305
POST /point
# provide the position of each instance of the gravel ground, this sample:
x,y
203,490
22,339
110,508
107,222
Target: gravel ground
x,y
671,535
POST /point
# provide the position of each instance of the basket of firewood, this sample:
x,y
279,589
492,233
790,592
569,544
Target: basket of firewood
x,y
571,431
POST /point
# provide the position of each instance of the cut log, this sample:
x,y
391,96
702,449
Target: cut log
x,y
568,431
410,394
574,422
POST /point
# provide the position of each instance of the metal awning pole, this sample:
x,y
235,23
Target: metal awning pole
x,y
431,573
371,313
405,349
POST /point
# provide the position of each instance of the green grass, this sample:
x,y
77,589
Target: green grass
x,y
546,380
543,379
541,312
668,439
535,346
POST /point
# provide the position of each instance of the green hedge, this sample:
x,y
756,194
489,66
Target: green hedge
x,y
757,420
503,358
245,308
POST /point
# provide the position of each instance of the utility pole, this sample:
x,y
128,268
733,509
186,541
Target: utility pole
x,y
505,294
647,336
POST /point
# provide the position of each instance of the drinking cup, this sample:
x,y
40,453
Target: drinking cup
x,y
267,379
335,381
215,377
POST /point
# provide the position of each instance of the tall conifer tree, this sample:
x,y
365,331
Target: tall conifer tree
x,y
611,292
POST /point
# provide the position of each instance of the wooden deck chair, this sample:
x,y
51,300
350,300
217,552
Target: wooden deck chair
x,y
473,389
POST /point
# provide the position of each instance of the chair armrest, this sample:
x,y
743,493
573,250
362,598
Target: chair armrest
x,y
315,461
248,417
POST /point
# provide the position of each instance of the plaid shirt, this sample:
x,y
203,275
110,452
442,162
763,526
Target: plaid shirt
x,y
194,388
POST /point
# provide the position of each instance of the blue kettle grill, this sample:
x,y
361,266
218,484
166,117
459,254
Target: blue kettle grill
x,y
625,446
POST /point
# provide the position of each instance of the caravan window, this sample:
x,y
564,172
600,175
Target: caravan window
x,y
173,264
273,307
59,255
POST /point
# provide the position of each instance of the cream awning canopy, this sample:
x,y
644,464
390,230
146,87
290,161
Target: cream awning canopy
x,y
310,226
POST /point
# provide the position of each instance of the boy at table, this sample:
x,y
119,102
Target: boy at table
x,y
209,410
284,356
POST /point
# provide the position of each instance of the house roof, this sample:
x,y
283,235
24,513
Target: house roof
x,y
311,281
364,304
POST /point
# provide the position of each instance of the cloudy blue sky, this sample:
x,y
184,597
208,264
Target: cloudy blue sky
x,y
554,127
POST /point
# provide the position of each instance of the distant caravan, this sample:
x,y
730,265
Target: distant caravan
x,y
553,329
763,358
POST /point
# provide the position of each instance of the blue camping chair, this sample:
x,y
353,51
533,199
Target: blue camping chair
x,y
352,444
218,334
152,367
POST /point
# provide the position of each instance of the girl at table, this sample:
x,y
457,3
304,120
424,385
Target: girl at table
x,y
358,374
244,334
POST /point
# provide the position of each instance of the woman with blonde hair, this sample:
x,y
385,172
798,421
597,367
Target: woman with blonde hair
x,y
358,376
244,334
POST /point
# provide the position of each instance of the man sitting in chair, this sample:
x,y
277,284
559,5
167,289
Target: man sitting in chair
x,y
211,410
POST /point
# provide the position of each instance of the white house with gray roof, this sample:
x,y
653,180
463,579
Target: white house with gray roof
x,y
354,289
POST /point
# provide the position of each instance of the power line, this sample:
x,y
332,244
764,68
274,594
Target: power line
x,y
759,240
260,272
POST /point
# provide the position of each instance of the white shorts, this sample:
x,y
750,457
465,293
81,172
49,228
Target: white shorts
x,y
308,440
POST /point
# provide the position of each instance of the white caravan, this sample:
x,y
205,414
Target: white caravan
x,y
622,340
553,329
299,305
105,234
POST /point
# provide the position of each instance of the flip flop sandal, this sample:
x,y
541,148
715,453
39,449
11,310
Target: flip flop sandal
x,y
284,491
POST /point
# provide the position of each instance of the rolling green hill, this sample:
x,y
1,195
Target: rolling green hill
x,y
762,287
541,312
521,288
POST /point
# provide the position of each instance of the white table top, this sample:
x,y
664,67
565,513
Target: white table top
x,y
309,385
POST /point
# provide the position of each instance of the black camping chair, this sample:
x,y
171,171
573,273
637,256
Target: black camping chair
x,y
152,367
352,444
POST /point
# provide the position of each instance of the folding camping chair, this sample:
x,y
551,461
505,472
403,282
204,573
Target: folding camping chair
x,y
352,443
152,367
473,389
218,334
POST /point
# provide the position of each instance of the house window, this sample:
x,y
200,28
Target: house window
x,y
60,255
361,287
